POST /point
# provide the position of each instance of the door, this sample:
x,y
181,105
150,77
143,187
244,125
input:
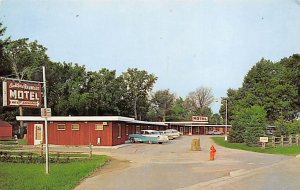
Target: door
x,y
38,134
181,130
190,130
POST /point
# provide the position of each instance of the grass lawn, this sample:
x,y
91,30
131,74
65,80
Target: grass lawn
x,y
9,147
286,150
62,176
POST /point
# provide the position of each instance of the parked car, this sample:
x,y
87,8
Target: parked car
x,y
172,133
269,132
150,136
215,132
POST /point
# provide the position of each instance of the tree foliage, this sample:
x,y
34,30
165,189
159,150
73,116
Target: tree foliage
x,y
248,125
138,84
163,100
269,85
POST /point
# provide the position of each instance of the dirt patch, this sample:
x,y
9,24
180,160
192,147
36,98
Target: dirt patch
x,y
112,165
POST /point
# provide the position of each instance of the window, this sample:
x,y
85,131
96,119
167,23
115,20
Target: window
x,y
120,130
75,127
99,127
127,129
61,127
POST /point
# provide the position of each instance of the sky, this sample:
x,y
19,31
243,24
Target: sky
x,y
187,44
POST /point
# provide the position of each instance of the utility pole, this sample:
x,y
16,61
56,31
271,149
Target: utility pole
x,y
226,120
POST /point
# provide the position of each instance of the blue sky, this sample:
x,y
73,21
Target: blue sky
x,y
185,43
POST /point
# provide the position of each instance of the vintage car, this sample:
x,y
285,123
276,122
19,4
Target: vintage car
x,y
150,136
171,133
215,132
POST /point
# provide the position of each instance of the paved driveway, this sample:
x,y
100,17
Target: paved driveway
x,y
172,165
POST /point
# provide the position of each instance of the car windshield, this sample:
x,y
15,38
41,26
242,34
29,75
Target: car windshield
x,y
154,132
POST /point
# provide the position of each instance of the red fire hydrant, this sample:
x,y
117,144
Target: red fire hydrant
x,y
212,152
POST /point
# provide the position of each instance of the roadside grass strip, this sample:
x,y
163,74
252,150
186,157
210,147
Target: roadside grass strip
x,y
285,150
61,176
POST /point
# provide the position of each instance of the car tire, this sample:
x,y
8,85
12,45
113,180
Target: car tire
x,y
159,142
132,140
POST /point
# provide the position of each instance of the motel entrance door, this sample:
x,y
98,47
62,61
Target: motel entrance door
x,y
38,134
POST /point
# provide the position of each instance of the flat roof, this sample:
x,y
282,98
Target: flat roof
x,y
148,122
87,118
184,123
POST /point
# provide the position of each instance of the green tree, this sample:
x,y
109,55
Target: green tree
x,y
138,84
267,84
256,125
248,125
163,100
292,63
215,119
67,95
178,111
105,90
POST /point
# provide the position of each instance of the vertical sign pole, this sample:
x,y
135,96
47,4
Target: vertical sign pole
x,y
46,123
226,120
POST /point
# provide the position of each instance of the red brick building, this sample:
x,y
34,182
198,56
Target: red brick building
x,y
83,130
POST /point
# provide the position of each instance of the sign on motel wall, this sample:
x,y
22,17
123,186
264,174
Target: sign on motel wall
x,y
24,94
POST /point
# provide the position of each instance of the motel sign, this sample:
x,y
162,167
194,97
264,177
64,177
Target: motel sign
x,y
23,94
199,118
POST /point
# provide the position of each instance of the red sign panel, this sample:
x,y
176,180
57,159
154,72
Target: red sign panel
x,y
23,94
199,118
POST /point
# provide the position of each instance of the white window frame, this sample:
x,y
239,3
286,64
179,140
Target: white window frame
x,y
119,130
101,127
61,124
76,129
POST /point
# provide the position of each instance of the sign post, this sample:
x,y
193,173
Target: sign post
x,y
263,140
24,93
46,123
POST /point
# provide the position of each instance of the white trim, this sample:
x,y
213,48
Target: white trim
x,y
36,141
75,118
148,122
88,118
186,122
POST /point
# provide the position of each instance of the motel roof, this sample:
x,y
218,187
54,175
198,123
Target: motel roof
x,y
195,124
88,118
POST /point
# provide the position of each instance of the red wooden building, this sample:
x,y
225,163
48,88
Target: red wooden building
x,y
83,130
5,130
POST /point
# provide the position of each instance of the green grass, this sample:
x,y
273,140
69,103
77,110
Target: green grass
x,y
22,141
8,142
61,176
9,147
286,150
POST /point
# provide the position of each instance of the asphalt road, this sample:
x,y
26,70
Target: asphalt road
x,y
174,166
